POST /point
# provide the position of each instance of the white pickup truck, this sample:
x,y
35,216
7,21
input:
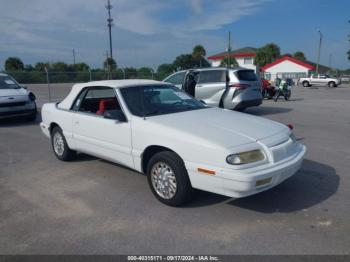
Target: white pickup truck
x,y
320,80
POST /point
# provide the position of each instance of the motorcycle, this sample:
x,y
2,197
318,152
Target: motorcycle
x,y
267,91
285,89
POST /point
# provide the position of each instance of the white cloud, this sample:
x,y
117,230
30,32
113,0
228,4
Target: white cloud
x,y
145,32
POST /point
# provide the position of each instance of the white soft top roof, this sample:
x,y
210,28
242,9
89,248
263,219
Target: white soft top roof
x,y
76,89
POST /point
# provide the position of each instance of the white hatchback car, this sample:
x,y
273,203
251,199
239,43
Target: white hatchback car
x,y
157,129
15,100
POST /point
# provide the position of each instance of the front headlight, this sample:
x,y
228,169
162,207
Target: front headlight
x,y
245,157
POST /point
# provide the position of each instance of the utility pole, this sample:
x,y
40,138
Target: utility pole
x,y
229,50
319,52
107,64
73,56
110,24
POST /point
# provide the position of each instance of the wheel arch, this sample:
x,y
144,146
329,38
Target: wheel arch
x,y
52,126
332,81
149,152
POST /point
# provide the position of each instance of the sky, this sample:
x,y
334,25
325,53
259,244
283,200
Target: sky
x,y
152,32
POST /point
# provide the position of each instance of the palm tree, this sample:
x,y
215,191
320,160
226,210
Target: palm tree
x,y
198,53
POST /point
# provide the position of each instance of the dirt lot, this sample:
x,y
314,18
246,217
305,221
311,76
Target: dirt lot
x,y
91,206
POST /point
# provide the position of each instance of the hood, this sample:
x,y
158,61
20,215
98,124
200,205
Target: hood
x,y
224,128
13,92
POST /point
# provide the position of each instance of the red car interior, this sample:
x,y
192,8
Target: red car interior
x,y
106,104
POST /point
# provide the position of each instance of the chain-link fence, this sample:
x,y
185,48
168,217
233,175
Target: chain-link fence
x,y
54,86
42,77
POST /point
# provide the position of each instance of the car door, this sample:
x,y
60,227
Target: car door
x,y
96,131
211,85
176,79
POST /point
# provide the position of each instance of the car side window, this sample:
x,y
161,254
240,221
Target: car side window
x,y
212,76
176,79
97,101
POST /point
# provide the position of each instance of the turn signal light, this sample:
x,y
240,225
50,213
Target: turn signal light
x,y
291,127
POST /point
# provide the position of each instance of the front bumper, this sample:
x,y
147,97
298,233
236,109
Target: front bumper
x,y
228,183
18,111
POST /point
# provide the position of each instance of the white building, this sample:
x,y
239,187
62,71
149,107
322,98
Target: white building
x,y
244,57
287,67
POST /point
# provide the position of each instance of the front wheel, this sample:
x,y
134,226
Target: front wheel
x,y
305,84
60,146
168,179
287,95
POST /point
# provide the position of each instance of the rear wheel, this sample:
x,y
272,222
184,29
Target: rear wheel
x,y
332,84
168,179
60,146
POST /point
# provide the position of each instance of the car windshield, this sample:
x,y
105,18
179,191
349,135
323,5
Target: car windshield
x,y
7,82
158,100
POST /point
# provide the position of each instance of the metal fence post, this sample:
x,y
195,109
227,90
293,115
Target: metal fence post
x,y
48,83
152,72
123,72
90,75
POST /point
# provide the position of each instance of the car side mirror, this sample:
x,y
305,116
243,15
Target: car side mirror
x,y
115,115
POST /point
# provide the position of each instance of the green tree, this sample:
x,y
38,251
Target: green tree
x,y
184,61
40,66
109,64
187,61
287,54
80,67
13,64
28,67
225,62
299,55
59,67
165,69
130,72
145,72
267,54
199,53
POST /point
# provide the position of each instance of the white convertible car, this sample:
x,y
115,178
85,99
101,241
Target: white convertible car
x,y
180,143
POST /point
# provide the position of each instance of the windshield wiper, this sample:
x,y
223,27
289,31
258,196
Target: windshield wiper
x,y
154,112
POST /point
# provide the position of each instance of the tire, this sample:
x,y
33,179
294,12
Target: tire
x,y
60,146
306,84
332,84
168,179
287,95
